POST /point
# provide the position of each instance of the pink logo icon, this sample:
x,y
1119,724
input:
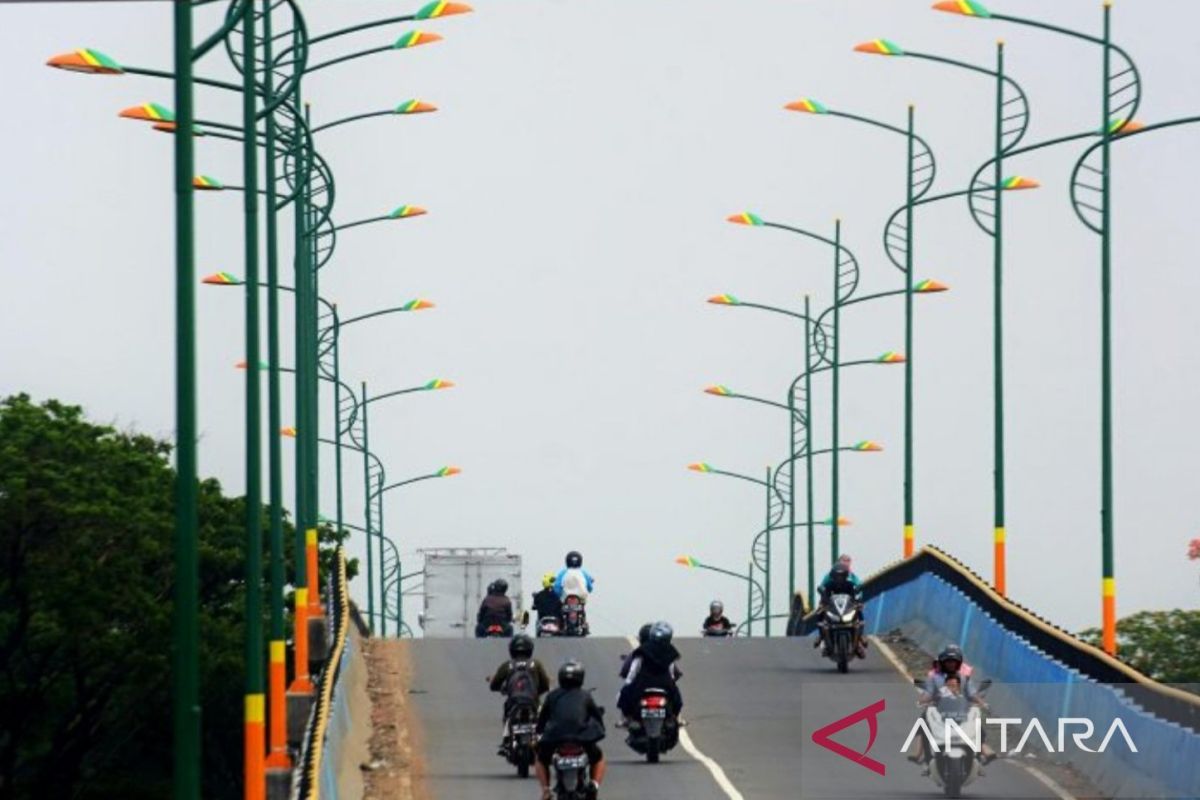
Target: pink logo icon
x,y
870,714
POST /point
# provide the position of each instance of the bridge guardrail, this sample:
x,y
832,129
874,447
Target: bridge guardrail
x,y
1058,675
315,777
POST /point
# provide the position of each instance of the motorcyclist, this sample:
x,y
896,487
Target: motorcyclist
x,y
652,666
844,560
573,579
570,716
496,609
643,637
547,603
716,623
950,673
839,580
521,679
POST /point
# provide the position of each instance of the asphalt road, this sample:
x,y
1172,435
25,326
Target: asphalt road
x,y
752,706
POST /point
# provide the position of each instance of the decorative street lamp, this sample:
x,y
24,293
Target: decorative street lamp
x,y
1121,97
753,588
921,169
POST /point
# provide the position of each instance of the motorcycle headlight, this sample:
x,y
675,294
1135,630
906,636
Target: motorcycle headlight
x,y
848,617
831,614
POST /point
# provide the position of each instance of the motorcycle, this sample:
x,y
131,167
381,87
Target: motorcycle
x,y
955,753
574,617
520,746
572,773
841,627
549,626
656,730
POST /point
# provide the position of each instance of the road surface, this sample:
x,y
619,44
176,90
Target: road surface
x,y
752,706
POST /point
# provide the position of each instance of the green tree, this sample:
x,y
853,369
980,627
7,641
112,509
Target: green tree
x,y
1163,645
85,591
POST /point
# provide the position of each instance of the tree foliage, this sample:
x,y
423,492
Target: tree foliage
x,y
86,542
1164,645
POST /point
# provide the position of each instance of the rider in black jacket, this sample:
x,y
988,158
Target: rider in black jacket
x,y
652,666
547,603
570,715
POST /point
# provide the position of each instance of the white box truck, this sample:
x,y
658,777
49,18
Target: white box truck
x,y
456,581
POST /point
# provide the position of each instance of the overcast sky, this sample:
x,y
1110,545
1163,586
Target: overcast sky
x,y
578,176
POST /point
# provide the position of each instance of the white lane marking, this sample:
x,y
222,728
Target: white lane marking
x,y
1041,777
891,656
714,769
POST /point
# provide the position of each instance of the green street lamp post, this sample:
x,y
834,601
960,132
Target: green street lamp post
x,y
773,513
1010,123
1121,96
920,169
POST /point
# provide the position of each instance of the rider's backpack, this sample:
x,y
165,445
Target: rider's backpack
x,y
522,683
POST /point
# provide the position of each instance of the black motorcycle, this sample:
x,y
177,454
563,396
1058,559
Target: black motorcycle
x,y
656,730
520,745
842,629
572,773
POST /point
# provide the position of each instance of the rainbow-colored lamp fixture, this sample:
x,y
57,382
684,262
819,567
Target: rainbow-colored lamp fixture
x,y
438,383
205,183
1016,183
415,39
879,47
415,107
700,466
929,286
417,305
404,212
968,8
866,446
746,218
687,561
724,300
719,389
148,112
891,357
442,8
446,472
806,105
91,62
222,279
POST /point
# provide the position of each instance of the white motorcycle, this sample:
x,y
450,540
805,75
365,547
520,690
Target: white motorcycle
x,y
956,750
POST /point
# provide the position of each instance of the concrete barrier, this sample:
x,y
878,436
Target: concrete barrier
x,y
1042,670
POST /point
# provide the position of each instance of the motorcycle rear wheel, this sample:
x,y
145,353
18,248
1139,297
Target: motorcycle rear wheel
x,y
652,751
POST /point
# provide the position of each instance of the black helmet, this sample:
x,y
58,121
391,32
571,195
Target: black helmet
x,y
716,608
574,560
644,633
491,588
501,586
661,632
840,570
951,653
571,675
521,646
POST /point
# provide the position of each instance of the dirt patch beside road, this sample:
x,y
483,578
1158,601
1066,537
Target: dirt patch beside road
x,y
397,764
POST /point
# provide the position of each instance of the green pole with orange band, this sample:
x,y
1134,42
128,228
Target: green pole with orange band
x,y
254,733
